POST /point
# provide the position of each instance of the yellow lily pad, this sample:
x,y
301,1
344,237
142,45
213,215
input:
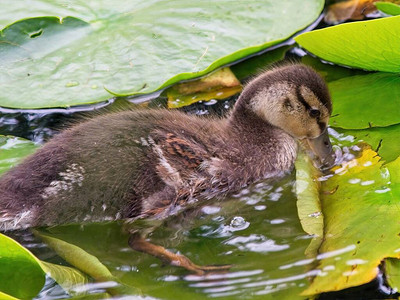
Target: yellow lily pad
x,y
361,222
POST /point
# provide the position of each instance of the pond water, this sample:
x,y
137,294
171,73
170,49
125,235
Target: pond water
x,y
257,230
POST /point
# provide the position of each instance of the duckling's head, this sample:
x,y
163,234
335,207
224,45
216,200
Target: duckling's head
x,y
296,99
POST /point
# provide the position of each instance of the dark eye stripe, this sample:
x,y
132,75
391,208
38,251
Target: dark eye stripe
x,y
301,98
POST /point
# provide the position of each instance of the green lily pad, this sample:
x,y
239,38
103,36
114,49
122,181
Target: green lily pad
x,y
20,274
388,8
376,49
384,140
364,101
307,190
360,207
53,62
13,150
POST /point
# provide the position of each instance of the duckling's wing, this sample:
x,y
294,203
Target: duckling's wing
x,y
179,159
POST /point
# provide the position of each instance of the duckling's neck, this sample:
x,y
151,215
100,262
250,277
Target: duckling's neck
x,y
268,148
244,120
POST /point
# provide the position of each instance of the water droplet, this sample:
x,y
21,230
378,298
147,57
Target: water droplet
x,y
368,182
238,222
354,180
277,221
315,214
210,210
260,207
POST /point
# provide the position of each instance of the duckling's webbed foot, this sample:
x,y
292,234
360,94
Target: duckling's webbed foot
x,y
138,243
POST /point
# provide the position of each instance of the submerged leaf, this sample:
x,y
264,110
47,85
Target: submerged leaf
x,y
364,101
361,223
343,44
66,277
13,150
77,257
136,47
87,263
388,8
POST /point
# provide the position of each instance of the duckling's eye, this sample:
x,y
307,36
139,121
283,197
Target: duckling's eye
x,y
314,113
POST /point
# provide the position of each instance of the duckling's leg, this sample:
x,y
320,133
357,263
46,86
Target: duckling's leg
x,y
138,243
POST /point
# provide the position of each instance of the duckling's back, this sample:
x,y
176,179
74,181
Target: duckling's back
x,y
138,164
101,169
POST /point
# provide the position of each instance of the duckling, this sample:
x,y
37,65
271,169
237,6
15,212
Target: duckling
x,y
150,163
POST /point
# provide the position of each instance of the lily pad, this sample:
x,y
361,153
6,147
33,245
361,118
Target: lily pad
x,y
20,274
134,50
307,190
343,44
364,101
384,140
13,150
388,8
360,223
308,204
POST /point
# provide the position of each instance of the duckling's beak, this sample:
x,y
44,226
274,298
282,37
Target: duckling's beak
x,y
322,148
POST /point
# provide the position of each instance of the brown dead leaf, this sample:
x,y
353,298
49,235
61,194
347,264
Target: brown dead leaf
x,y
218,85
351,10
221,78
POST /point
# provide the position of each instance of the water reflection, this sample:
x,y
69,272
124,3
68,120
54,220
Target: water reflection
x,y
255,243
